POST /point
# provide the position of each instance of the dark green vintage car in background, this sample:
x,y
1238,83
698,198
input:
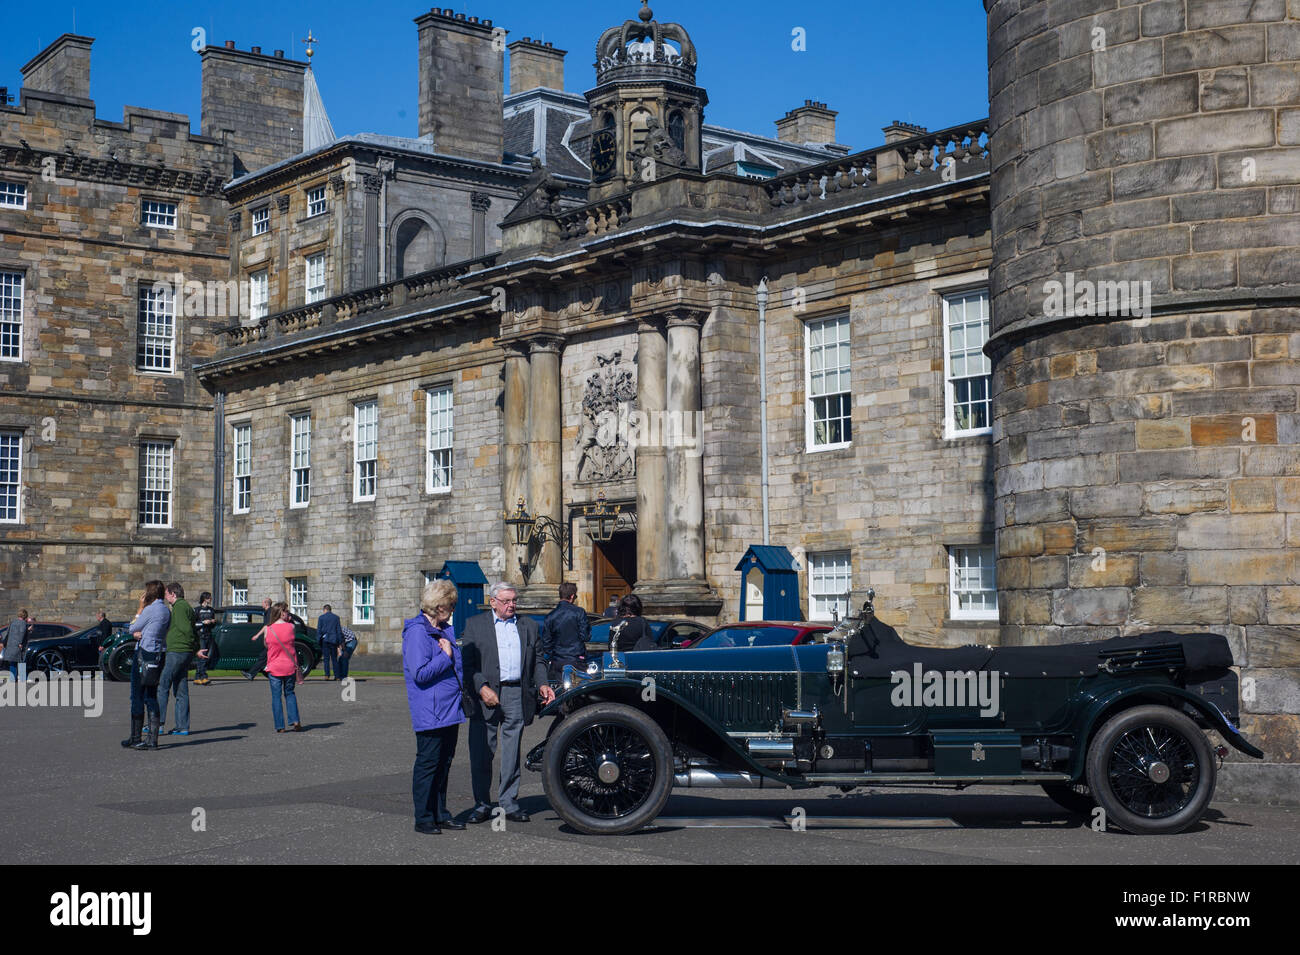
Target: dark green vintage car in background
x,y
235,649
1119,724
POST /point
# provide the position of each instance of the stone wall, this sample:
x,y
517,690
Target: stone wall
x,y
406,531
1146,446
77,396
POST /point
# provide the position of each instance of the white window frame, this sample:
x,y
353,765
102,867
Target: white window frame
x,y
10,190
11,319
157,214
241,475
238,598
315,291
810,418
297,588
316,202
960,572
363,585
299,460
440,436
14,440
259,294
155,328
950,429
165,471
365,440
261,218
825,569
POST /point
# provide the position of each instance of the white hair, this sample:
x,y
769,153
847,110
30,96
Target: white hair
x,y
495,590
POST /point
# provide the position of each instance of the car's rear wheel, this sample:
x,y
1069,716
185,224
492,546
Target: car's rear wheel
x,y
117,664
1152,770
49,662
1072,797
608,769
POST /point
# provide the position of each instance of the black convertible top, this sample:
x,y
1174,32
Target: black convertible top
x,y
877,650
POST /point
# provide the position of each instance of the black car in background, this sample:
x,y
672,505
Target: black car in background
x,y
64,650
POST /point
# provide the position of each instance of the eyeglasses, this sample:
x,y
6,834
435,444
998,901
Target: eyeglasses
x,y
506,600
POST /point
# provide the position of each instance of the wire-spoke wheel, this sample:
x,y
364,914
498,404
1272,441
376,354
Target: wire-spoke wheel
x,y
1152,770
608,769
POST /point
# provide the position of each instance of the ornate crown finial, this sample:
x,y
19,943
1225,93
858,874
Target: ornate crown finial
x,y
646,13
309,41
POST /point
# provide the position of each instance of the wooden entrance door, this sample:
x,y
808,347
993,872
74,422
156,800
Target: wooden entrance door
x,y
614,569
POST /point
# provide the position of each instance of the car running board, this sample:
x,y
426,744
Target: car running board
x,y
864,779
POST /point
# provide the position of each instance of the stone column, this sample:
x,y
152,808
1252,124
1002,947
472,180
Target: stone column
x,y
682,434
281,301
479,203
514,446
236,240
340,254
545,479
370,230
651,490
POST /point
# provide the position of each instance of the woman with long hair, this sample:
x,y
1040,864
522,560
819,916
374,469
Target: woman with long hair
x,y
282,666
631,631
149,628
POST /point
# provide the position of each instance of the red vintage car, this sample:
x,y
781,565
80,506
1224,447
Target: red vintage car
x,y
761,633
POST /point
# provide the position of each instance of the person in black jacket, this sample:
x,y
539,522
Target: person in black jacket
x,y
565,633
205,617
631,631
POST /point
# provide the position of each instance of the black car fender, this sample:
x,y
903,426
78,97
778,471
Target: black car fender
x,y
630,692
1103,707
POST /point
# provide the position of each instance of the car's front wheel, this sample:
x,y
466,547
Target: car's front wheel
x,y
608,769
1152,770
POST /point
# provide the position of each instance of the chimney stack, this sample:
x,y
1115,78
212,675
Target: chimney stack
x,y
535,65
897,131
810,123
63,67
253,102
462,78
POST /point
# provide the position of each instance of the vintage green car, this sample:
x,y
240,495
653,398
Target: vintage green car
x,y
235,648
1118,723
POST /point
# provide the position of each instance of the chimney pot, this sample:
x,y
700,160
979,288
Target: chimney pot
x,y
279,54
230,44
254,49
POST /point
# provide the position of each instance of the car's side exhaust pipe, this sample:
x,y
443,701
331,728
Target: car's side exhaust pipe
x,y
696,778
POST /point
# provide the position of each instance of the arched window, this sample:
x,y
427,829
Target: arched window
x,y
677,129
418,247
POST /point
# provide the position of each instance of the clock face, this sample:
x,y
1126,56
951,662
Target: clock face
x,y
603,153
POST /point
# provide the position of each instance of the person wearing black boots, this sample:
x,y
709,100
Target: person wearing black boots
x,y
148,627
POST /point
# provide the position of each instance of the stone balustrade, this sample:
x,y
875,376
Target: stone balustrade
x,y
598,218
880,165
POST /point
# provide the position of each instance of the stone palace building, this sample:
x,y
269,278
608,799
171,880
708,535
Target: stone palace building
x,y
1032,378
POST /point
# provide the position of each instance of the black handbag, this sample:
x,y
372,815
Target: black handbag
x,y
151,673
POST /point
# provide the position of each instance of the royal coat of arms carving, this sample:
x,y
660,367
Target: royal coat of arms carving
x,y
603,450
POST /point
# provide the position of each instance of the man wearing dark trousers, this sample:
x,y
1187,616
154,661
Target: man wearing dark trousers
x,y
506,676
565,633
330,630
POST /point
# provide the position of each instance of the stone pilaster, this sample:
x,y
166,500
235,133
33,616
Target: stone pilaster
x,y
545,479
514,459
370,229
479,203
651,489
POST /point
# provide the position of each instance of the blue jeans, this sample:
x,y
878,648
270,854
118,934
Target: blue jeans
x,y
13,670
345,658
433,752
175,680
286,685
329,659
143,697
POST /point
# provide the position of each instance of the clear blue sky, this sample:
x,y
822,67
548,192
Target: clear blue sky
x,y
872,60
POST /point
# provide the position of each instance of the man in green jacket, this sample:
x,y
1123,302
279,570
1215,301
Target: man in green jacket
x,y
182,644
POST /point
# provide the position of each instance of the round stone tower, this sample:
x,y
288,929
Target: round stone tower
x,y
1146,332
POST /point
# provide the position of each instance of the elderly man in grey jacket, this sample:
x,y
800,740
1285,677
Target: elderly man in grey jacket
x,y
15,643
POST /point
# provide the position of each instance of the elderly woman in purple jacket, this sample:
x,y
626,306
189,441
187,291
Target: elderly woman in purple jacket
x,y
434,690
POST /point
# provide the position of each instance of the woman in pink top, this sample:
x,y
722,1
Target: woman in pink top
x,y
282,667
